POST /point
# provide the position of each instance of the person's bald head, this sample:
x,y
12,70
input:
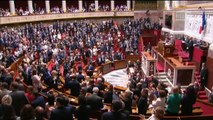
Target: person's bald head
x,y
39,112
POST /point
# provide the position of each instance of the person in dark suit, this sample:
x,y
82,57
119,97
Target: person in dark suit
x,y
108,96
83,111
94,100
61,112
188,100
39,101
203,75
190,48
74,86
90,70
19,98
116,113
143,102
80,77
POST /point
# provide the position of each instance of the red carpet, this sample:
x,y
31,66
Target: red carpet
x,y
206,109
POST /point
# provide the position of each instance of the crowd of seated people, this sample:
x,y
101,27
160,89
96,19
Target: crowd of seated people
x,y
104,8
4,12
62,49
121,8
22,12
39,11
72,9
56,9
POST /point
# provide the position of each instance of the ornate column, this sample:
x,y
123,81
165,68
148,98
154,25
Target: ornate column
x,y
64,5
47,6
30,6
112,5
80,5
133,4
12,7
96,5
128,2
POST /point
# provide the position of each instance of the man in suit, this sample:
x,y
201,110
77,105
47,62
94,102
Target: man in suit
x,y
62,112
190,48
94,100
203,75
19,98
143,102
116,113
74,86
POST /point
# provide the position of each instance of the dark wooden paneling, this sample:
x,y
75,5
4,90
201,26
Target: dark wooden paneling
x,y
4,4
105,2
120,64
21,4
54,3
184,77
210,71
133,58
106,68
38,4
73,3
120,2
86,3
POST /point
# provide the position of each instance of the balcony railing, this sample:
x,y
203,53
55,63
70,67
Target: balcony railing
x,y
46,17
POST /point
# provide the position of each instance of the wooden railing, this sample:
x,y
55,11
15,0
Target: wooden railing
x,y
48,17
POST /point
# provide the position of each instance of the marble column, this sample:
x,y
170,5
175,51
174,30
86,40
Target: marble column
x,y
80,5
112,5
12,7
128,2
96,5
133,4
30,6
47,6
64,5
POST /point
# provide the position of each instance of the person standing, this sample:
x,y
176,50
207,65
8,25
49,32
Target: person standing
x,y
203,75
174,101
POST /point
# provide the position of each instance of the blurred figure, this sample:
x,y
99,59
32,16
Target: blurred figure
x,y
115,114
211,96
188,100
204,76
174,101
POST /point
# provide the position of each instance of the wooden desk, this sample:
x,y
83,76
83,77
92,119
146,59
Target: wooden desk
x,y
176,71
106,68
120,64
132,58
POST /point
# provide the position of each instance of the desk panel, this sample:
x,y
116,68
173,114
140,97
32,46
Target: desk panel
x,y
120,64
132,58
106,68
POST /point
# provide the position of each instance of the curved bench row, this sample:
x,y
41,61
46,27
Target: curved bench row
x,y
119,65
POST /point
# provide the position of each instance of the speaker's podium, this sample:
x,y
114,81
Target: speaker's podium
x,y
166,50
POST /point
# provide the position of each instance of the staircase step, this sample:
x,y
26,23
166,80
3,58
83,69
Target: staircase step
x,y
163,80
206,100
203,97
202,92
161,73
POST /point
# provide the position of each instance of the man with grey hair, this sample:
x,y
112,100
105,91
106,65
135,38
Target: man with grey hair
x,y
94,100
